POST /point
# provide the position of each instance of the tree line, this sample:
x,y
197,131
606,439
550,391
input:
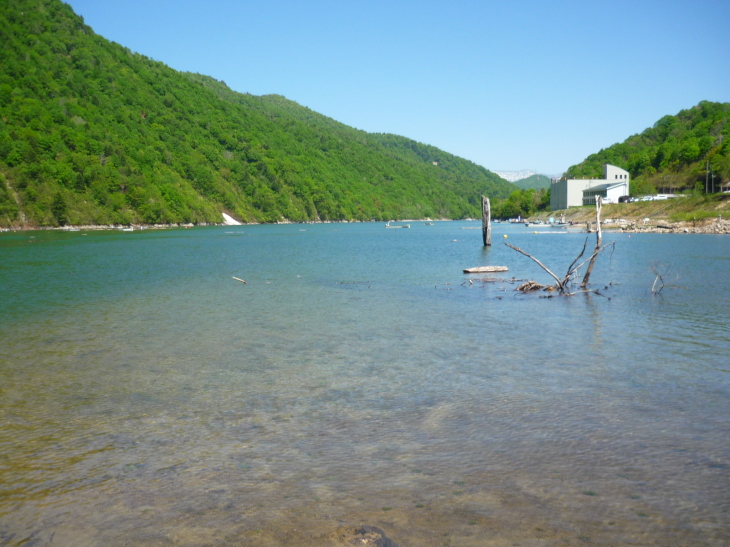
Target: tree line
x,y
522,203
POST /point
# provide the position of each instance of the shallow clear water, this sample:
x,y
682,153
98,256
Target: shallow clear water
x,y
147,398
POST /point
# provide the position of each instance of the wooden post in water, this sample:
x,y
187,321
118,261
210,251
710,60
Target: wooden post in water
x,y
486,222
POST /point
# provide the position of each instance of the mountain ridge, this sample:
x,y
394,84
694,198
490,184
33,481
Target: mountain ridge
x,y
91,133
538,182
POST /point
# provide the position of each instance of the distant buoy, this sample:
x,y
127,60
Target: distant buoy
x,y
534,232
505,236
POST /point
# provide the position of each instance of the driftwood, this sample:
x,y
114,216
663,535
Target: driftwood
x,y
486,222
241,280
532,286
486,269
561,285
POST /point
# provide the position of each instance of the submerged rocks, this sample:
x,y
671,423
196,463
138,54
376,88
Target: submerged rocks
x,y
365,535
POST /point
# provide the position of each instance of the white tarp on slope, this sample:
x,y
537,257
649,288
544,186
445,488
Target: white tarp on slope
x,y
228,220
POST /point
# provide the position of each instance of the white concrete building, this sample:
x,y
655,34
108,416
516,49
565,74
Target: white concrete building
x,y
609,192
566,193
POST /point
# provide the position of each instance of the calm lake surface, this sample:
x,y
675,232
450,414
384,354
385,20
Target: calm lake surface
x,y
147,398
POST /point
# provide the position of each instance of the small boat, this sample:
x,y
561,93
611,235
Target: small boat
x,y
127,229
428,223
388,225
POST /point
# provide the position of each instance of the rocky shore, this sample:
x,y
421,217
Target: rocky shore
x,y
713,226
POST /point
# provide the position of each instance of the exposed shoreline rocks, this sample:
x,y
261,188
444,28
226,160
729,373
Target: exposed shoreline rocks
x,y
716,226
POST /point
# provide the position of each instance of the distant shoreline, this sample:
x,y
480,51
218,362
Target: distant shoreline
x,y
103,227
657,226
109,227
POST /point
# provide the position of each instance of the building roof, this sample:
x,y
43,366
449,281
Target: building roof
x,y
604,186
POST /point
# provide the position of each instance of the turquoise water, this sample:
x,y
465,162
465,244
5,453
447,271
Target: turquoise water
x,y
147,397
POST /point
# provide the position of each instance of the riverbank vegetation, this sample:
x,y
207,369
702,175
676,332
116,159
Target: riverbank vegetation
x,y
92,133
522,203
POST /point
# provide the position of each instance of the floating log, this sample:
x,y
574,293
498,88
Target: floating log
x,y
241,280
486,269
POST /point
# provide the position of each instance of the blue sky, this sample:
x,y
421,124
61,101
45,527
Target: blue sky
x,y
509,85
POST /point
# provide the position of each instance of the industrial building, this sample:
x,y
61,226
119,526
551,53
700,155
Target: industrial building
x,y
566,193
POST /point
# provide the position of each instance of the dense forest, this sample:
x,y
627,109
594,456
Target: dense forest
x,y
679,153
532,197
522,203
92,133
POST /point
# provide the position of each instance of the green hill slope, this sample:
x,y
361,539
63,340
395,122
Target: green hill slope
x,y
538,182
91,133
673,155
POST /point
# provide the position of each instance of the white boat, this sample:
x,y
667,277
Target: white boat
x,y
388,225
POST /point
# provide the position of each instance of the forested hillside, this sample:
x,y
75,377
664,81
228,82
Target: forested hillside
x,y
537,182
91,133
673,155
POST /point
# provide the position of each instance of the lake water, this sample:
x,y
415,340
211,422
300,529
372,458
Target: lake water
x,y
147,398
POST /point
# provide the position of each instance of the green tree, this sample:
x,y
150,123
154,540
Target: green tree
x,y
59,209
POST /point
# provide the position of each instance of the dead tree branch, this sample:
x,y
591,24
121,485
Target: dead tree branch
x,y
571,270
593,256
599,237
560,284
657,268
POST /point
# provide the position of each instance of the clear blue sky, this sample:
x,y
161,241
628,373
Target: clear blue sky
x,y
509,85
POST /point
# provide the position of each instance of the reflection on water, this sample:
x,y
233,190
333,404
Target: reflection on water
x,y
147,398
